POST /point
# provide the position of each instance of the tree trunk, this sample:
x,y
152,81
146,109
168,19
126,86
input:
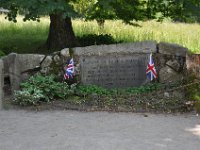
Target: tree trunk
x,y
61,34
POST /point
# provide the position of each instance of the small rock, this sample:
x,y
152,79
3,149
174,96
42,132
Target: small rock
x,y
57,59
65,52
166,94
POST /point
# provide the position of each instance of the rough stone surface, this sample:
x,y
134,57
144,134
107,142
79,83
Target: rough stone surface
x,y
22,63
124,65
1,82
71,130
126,48
57,59
114,71
46,64
172,49
65,52
116,65
167,74
166,95
8,61
193,64
174,64
179,93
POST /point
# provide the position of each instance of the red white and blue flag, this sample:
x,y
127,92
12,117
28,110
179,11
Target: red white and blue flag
x,y
151,70
69,70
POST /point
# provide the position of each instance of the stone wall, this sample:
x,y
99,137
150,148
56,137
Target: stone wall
x,y
19,67
114,66
124,65
15,64
170,62
193,64
117,65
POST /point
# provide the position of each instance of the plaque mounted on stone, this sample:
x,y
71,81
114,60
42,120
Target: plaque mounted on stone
x,y
114,66
114,71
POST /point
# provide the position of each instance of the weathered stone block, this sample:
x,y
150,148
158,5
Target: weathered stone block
x,y
174,64
172,49
125,48
21,63
114,66
8,60
65,52
193,64
168,74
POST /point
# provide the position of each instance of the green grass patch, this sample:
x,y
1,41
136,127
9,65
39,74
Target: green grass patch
x,y
26,37
22,37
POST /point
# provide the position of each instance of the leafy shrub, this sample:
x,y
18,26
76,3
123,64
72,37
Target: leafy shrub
x,y
145,98
193,93
24,98
41,89
100,91
86,90
93,39
2,54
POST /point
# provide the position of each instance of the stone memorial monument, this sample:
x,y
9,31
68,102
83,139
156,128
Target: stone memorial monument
x,y
111,66
114,66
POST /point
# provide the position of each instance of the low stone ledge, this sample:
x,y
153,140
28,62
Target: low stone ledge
x,y
172,49
124,48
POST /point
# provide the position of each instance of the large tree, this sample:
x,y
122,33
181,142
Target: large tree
x,y
61,11
178,10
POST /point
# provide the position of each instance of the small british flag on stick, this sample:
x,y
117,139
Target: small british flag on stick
x,y
151,70
69,70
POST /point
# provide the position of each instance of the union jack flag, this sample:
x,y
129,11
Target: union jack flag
x,y
69,70
151,70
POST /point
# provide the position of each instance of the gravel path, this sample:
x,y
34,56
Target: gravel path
x,y
72,130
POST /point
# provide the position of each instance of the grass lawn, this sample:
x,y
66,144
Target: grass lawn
x,y
26,37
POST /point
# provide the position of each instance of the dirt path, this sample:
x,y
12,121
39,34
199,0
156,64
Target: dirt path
x,y
71,130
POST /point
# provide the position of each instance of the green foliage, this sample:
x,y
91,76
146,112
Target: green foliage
x,y
24,98
83,7
144,98
193,92
177,10
101,10
128,10
100,91
41,89
33,9
91,89
2,54
197,106
93,39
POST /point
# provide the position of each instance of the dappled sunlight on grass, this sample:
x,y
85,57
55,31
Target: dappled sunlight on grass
x,y
36,33
183,34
